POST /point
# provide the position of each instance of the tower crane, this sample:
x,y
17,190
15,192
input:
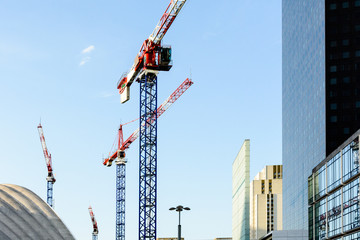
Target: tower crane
x,y
94,223
50,177
152,58
120,161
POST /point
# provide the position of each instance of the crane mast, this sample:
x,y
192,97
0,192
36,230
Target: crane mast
x,y
119,155
120,188
50,177
94,223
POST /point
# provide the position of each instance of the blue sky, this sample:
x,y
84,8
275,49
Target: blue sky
x,y
232,49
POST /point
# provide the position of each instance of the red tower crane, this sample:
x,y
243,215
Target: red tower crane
x,y
94,223
50,177
119,155
152,58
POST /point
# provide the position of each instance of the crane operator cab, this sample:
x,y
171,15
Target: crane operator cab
x,y
120,157
158,59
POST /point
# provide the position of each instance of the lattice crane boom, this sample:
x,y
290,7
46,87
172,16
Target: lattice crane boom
x,y
166,20
47,155
94,223
161,109
50,177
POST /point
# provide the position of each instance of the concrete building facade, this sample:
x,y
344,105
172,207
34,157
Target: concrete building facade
x,y
266,202
241,193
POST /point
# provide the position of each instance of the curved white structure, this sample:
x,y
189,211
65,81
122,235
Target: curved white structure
x,y
24,215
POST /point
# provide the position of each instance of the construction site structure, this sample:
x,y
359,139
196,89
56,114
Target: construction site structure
x,y
95,231
120,162
152,58
50,176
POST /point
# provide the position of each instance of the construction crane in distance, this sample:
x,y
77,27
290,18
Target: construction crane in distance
x,y
94,223
119,155
50,177
152,58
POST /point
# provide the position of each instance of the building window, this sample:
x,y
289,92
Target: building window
x,y
333,44
320,182
332,81
333,6
357,53
345,42
333,172
357,104
334,213
346,79
357,28
332,68
311,221
346,130
333,119
345,4
350,160
333,106
346,93
346,55
357,3
320,219
350,205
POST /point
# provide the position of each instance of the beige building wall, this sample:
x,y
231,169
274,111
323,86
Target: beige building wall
x,y
266,202
241,193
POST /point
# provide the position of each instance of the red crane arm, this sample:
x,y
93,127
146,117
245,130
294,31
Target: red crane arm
x,y
166,20
93,220
163,107
47,155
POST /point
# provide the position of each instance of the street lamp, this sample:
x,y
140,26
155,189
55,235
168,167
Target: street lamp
x,y
179,209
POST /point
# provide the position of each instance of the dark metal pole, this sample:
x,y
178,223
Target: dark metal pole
x,y
179,228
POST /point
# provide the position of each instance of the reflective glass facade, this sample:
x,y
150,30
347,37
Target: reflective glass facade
x,y
334,194
303,102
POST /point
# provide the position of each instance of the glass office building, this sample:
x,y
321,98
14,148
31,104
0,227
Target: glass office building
x,y
303,103
321,91
334,194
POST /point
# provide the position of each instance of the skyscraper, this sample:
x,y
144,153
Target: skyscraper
x,y
241,193
321,91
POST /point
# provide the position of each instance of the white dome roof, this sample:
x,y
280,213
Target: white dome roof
x,y
24,215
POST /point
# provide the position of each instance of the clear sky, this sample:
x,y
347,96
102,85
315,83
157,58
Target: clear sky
x,y
232,48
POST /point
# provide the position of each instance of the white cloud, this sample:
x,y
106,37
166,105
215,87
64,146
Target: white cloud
x,y
88,49
84,60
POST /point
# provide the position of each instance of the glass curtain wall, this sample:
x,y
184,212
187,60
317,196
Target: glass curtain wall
x,y
334,194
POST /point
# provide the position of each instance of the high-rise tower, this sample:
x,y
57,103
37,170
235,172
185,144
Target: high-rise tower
x,y
321,91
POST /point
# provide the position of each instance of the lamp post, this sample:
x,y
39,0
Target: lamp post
x,y
179,209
